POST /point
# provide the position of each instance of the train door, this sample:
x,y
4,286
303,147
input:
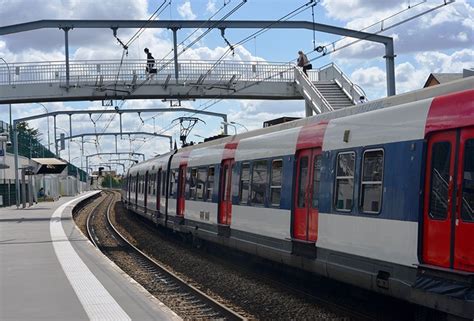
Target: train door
x,y
137,182
181,190
158,189
449,200
225,192
129,188
145,192
306,200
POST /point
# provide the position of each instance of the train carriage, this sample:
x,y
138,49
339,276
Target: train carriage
x,y
380,195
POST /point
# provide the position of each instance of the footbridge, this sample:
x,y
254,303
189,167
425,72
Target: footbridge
x,y
116,80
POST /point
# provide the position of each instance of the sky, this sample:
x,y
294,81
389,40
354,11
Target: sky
x,y
440,41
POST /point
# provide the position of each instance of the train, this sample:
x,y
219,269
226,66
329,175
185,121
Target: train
x,y
379,195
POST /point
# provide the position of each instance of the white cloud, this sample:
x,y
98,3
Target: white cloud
x,y
185,11
211,6
14,12
449,27
411,76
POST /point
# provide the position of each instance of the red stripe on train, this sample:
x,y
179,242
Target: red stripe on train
x,y
311,135
451,111
229,150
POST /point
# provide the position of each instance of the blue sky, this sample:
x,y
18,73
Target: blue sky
x,y
441,41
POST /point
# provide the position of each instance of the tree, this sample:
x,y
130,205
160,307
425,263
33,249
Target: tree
x,y
116,182
23,127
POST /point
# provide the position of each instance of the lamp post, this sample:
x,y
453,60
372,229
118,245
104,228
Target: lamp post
x,y
68,144
47,119
236,123
230,124
68,158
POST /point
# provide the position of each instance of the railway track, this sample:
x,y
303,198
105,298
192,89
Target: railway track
x,y
184,299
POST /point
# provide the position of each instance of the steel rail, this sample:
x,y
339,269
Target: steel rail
x,y
88,223
226,312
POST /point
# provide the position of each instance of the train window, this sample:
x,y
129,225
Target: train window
x,y
372,176
149,182
244,183
467,209
316,180
210,183
158,183
345,181
200,183
275,186
174,183
440,164
259,182
163,182
153,182
303,177
192,177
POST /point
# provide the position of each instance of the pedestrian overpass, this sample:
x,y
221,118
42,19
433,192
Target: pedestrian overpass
x,y
326,88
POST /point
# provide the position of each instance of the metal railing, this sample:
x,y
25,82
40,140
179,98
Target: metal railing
x,y
107,71
127,71
331,72
311,94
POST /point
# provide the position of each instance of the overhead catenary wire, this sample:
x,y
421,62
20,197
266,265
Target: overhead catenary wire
x,y
246,39
383,28
216,100
195,30
155,14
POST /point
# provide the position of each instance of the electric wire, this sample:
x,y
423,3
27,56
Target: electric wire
x,y
216,100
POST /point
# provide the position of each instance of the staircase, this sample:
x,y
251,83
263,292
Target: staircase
x,y
327,89
334,94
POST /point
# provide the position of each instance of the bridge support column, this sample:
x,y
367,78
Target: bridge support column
x,y
15,151
66,49
307,109
390,67
175,49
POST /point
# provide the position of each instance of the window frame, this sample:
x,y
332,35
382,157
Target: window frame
x,y
451,150
249,163
191,190
265,196
208,196
204,185
362,183
272,187
461,216
344,177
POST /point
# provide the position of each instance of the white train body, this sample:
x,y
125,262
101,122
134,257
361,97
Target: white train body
x,y
363,195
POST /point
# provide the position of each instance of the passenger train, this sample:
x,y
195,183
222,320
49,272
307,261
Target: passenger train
x,y
379,195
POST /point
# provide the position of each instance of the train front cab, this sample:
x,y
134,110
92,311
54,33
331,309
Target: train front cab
x,y
447,229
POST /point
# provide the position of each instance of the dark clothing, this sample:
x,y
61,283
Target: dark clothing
x,y
307,67
150,62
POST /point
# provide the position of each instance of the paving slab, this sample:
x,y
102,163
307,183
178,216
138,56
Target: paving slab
x,y
50,271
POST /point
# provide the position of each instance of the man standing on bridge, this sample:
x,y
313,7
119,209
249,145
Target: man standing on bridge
x,y
150,62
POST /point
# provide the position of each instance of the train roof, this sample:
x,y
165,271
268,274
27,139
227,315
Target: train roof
x,y
387,102
420,94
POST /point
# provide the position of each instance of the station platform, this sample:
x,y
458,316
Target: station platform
x,y
50,271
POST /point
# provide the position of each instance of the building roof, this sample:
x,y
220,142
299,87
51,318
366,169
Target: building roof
x,y
442,78
49,165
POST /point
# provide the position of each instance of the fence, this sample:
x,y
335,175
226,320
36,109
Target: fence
x,y
7,192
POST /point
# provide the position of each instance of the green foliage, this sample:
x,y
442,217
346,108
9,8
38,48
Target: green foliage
x,y
23,127
116,181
